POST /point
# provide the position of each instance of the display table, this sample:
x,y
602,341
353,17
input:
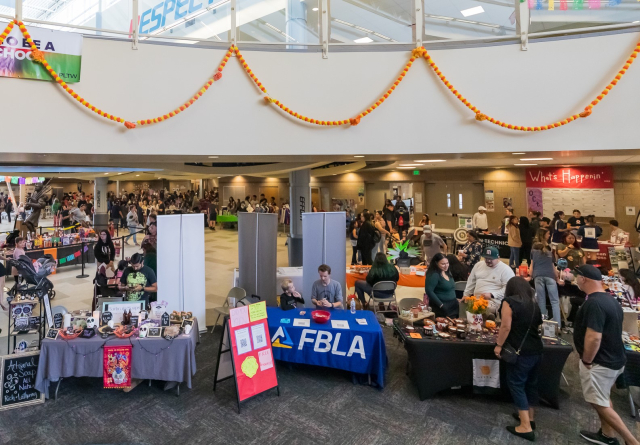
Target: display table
x,y
438,364
82,357
411,280
327,346
631,376
610,254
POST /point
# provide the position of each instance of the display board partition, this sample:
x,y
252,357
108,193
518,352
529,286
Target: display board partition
x,y
181,266
257,254
324,242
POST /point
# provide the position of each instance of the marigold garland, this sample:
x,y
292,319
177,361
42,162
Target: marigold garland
x,y
39,57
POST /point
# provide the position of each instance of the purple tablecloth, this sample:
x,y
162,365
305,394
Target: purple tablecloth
x,y
83,358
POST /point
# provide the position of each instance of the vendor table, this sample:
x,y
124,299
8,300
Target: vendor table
x,y
405,280
82,357
324,345
438,364
631,376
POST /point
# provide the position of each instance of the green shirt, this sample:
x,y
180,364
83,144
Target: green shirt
x,y
438,289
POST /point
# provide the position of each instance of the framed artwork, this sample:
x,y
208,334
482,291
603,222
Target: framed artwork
x,y
53,333
154,332
187,321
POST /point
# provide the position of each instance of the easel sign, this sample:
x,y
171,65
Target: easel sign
x,y
245,352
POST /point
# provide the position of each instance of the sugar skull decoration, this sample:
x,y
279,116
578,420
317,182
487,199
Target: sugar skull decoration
x,y
143,331
21,314
91,323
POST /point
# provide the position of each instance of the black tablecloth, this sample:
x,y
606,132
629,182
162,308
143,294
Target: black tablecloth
x,y
632,370
497,241
438,364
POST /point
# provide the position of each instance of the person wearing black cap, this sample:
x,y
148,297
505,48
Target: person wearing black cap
x,y
489,278
598,340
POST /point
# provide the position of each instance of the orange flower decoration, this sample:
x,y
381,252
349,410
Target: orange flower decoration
x,y
217,76
129,125
37,55
586,113
354,121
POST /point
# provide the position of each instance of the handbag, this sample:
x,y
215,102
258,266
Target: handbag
x,y
508,353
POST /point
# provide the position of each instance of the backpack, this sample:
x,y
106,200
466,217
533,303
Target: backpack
x,y
376,235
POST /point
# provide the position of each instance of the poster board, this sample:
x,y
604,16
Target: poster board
x,y
117,309
598,202
247,343
18,380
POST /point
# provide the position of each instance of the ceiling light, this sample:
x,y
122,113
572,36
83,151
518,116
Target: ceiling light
x,y
431,160
363,40
119,173
518,153
359,156
410,165
137,175
213,157
525,164
335,174
314,9
106,173
472,11
536,159
408,168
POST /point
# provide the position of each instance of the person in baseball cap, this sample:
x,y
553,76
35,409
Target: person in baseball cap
x,y
479,220
489,278
588,271
491,253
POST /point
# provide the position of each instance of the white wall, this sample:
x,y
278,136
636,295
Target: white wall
x,y
537,87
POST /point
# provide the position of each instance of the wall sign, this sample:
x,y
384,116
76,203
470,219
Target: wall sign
x,y
570,177
18,380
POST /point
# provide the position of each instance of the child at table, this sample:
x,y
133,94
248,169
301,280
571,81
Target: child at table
x,y
290,297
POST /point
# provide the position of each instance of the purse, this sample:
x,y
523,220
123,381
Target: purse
x,y
508,353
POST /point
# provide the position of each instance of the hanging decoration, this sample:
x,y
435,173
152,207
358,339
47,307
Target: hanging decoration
x,y
538,4
563,5
551,5
577,4
420,52
17,180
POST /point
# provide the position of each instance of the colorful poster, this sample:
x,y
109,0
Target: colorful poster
x,y
489,201
570,177
117,366
63,51
534,200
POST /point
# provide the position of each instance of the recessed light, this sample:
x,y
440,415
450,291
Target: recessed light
x,y
518,153
536,159
410,165
314,9
407,168
335,174
137,175
525,164
431,160
359,156
213,157
472,11
106,173
363,40
119,173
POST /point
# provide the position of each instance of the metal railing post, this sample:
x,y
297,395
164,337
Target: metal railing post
x,y
418,15
324,27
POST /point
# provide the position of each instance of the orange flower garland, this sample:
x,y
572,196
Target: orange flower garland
x,y
39,57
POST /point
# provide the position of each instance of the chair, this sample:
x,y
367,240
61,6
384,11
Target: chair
x,y
383,288
238,293
408,303
460,287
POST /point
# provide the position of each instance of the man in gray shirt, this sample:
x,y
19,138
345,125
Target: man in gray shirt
x,y
326,293
431,244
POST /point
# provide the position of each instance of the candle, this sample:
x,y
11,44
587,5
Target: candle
x,y
96,317
66,321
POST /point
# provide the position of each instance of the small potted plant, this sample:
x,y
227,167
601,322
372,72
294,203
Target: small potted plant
x,y
476,308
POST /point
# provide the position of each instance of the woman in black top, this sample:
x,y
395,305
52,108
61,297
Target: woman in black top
x,y
459,270
368,237
527,240
520,321
104,250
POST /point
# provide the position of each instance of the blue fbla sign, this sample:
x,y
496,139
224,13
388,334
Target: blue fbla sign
x,y
168,11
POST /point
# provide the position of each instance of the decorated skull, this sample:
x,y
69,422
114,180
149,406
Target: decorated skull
x,y
91,322
143,331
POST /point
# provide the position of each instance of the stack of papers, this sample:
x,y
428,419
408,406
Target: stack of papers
x,y
362,321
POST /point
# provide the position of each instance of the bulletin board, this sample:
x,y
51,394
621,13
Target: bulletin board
x,y
598,202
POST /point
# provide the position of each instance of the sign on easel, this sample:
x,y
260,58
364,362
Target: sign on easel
x,y
245,352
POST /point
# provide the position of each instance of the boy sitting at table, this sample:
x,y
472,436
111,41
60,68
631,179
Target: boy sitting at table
x,y
290,297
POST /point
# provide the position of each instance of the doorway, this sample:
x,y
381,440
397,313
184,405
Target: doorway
x,y
452,197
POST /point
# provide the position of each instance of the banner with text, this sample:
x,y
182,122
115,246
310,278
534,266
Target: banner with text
x,y
570,177
63,51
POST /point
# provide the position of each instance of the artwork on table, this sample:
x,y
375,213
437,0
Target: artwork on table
x,y
187,322
53,333
117,366
154,332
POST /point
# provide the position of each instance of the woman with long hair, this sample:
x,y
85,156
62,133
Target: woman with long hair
x,y
381,270
380,224
354,228
521,319
545,275
527,240
558,228
440,286
367,239
571,251
471,252
459,270
104,250
514,240
630,283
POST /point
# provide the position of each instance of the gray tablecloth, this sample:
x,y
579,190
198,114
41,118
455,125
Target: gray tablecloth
x,y
83,358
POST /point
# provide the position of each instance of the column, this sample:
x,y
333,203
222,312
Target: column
x,y
118,189
296,22
300,202
23,195
201,192
100,212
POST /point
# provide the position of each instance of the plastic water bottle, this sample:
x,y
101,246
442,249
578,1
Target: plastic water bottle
x,y
353,305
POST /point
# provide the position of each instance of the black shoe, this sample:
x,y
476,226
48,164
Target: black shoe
x,y
517,417
530,436
598,438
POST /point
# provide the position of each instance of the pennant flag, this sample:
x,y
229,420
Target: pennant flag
x,y
14,179
21,181
7,178
28,181
77,254
41,179
63,260
551,5
34,180
86,248
538,4
563,5
578,4
70,257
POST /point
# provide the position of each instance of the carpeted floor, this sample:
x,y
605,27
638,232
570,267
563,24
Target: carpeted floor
x,y
316,405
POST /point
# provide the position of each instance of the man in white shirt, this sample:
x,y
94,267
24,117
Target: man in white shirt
x,y
479,221
488,278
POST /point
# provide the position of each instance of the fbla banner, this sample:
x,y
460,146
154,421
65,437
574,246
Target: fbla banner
x,y
63,51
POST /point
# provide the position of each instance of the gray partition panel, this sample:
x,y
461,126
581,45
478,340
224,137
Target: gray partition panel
x,y
257,254
323,243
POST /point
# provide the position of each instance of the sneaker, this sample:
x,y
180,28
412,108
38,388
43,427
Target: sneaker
x,y
598,438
